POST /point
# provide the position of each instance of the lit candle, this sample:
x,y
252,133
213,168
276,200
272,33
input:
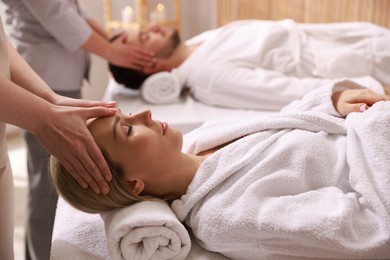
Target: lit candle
x,y
159,14
127,15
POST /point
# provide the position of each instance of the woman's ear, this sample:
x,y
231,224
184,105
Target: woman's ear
x,y
136,186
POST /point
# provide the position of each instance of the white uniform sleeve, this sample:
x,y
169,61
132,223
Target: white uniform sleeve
x,y
62,21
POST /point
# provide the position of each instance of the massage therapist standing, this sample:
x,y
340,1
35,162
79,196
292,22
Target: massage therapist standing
x,y
55,39
58,122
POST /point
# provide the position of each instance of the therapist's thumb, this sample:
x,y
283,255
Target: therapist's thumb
x,y
121,38
94,112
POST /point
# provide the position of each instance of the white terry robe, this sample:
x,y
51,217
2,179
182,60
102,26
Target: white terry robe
x,y
300,184
260,64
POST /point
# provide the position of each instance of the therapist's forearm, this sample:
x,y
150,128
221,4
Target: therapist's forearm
x,y
24,76
98,45
98,28
22,108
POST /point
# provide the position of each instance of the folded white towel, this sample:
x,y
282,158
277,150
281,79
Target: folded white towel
x,y
161,88
146,230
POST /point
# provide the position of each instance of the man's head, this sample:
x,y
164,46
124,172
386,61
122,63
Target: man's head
x,y
163,41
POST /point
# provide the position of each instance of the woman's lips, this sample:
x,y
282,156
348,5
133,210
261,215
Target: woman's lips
x,y
164,127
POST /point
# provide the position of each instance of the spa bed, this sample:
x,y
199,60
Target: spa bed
x,y
82,236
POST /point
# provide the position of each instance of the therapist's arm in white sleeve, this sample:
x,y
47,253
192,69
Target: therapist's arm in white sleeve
x,y
72,31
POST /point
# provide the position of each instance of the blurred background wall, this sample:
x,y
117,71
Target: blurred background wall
x,y
196,16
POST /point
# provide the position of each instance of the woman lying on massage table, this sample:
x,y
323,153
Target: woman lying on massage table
x,y
311,181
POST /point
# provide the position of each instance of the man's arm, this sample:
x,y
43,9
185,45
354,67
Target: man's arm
x,y
252,88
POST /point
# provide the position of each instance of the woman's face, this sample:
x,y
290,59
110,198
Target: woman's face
x,y
143,147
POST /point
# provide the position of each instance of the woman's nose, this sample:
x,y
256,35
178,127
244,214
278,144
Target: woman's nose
x,y
146,117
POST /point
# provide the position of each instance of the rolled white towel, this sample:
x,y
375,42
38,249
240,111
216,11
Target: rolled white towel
x,y
146,230
161,88
115,89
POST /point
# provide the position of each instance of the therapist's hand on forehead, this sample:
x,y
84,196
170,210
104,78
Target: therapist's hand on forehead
x,y
67,137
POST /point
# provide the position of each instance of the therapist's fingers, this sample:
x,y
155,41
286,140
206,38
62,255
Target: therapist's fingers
x,y
139,58
94,169
131,49
75,102
64,133
130,56
79,152
83,167
89,103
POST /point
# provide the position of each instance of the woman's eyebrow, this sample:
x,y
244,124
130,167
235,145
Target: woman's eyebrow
x,y
114,125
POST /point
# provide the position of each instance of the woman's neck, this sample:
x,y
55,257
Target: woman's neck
x,y
185,172
187,168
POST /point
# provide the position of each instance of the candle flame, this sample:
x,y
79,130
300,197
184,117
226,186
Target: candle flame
x,y
128,9
160,7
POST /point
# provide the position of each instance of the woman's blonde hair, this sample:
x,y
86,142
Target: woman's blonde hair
x,y
86,199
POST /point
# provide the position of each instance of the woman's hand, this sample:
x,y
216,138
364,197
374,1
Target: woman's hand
x,y
130,56
65,134
355,100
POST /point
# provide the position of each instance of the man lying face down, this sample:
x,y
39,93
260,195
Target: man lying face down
x,y
300,183
259,64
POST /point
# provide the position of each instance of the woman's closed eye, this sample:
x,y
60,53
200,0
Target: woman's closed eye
x,y
129,128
